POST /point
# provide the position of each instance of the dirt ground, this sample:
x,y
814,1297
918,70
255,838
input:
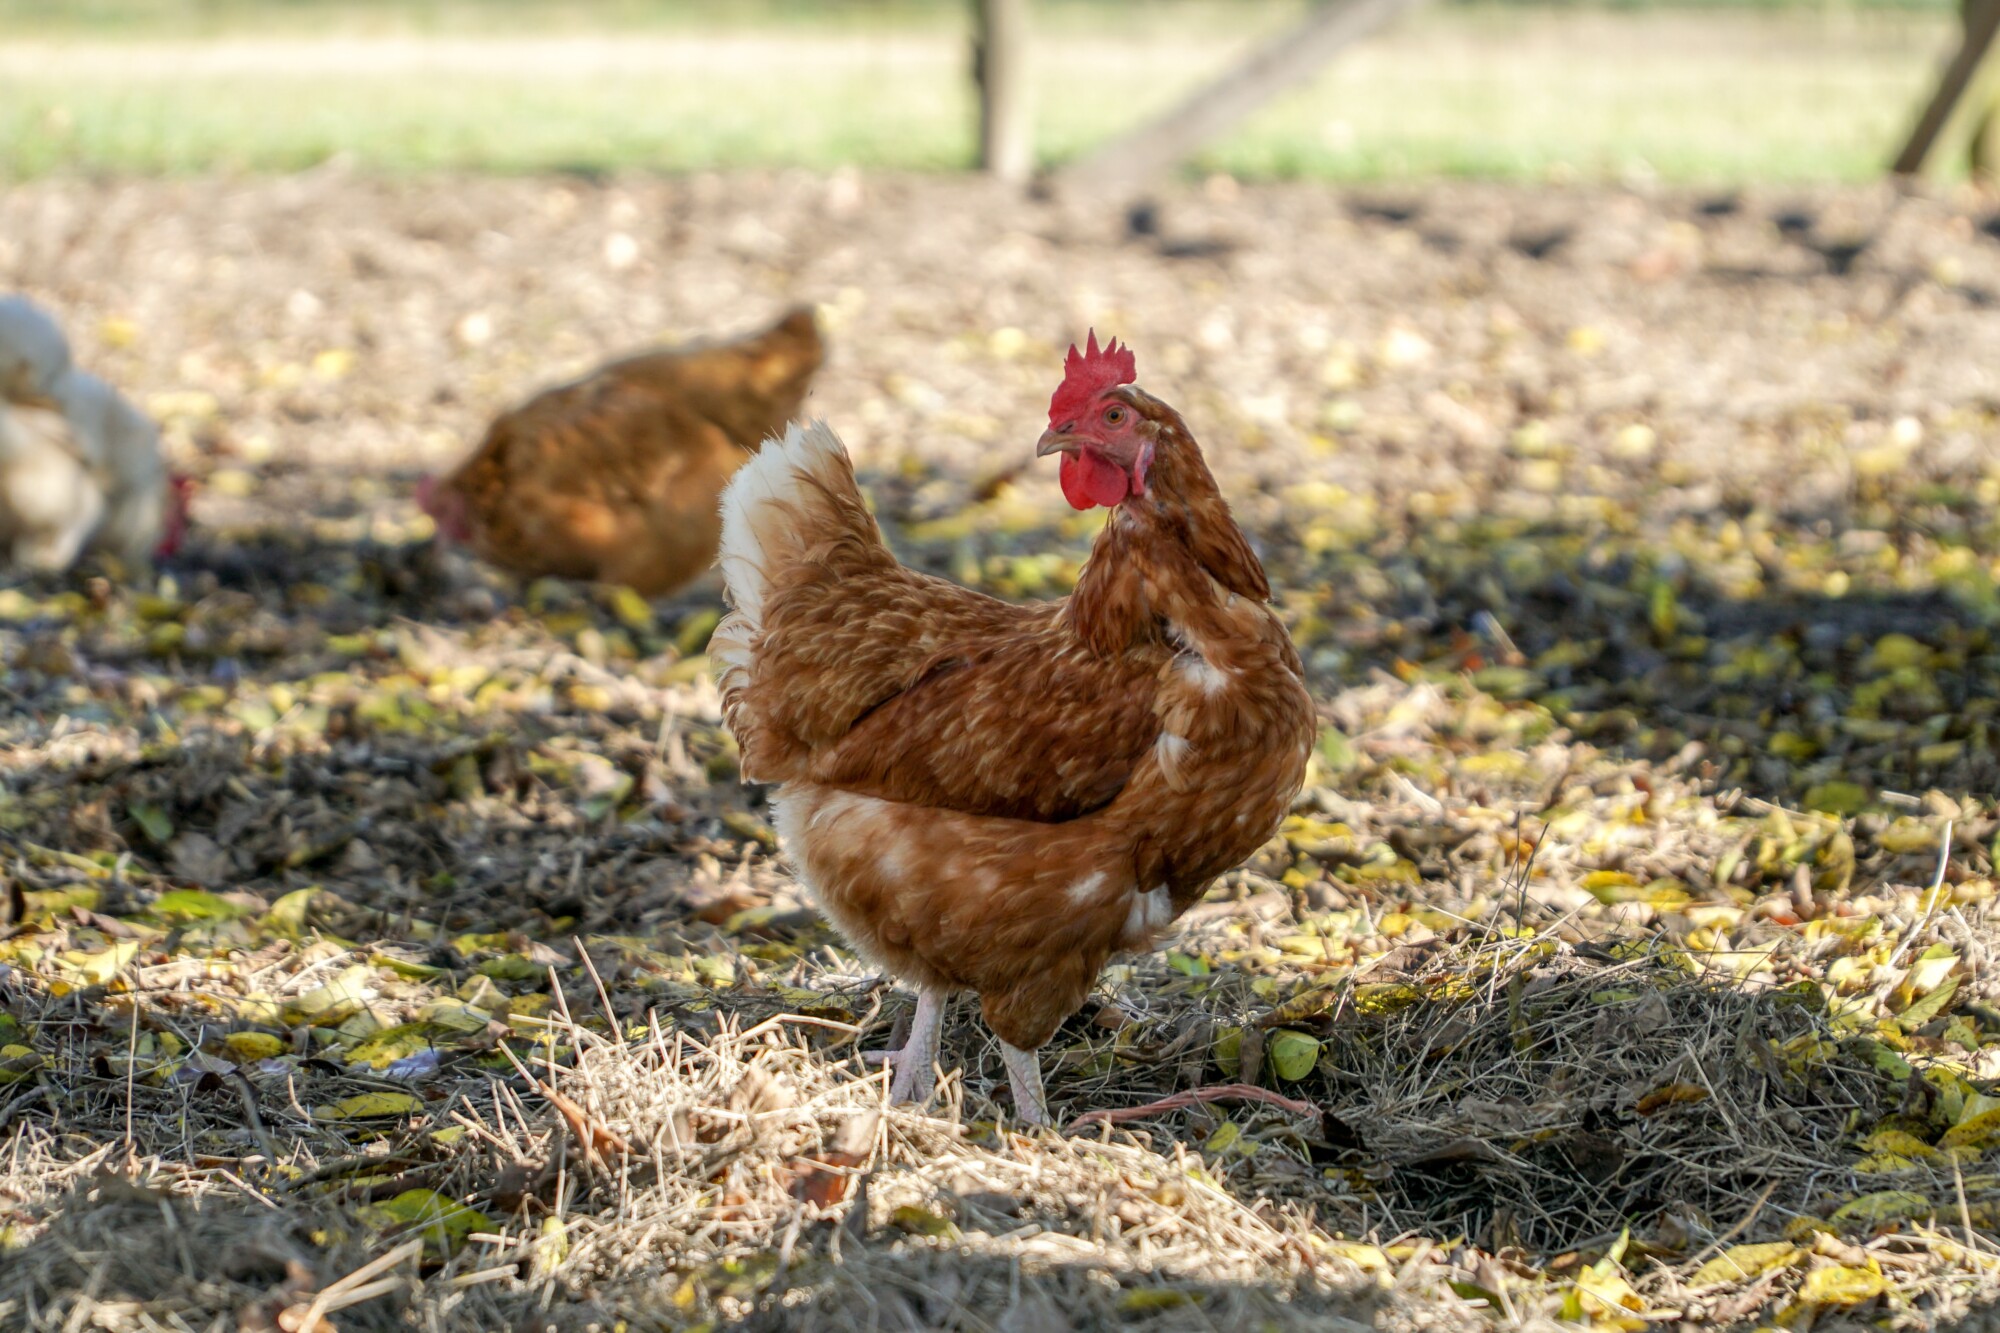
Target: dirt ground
x,y
390,947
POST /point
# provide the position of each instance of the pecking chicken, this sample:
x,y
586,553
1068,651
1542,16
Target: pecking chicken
x,y
80,467
995,797
615,477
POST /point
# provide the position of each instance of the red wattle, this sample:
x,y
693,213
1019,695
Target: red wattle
x,y
1088,480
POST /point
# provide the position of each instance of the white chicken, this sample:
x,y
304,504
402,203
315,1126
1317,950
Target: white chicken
x,y
80,467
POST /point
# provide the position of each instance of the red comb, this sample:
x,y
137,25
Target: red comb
x,y
1089,373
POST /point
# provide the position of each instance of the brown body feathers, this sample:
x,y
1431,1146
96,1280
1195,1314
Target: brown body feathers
x,y
616,477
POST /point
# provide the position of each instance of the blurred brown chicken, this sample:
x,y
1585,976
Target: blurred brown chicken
x,y
616,477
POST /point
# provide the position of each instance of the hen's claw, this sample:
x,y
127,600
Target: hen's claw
x,y
916,1063
916,1076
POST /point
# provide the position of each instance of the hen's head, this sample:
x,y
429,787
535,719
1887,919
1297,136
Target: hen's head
x,y
34,355
441,500
1095,423
174,526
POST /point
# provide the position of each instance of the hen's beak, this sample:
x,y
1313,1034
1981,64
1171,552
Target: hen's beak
x,y
1055,441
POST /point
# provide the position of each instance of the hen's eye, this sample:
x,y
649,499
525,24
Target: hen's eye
x,y
1114,416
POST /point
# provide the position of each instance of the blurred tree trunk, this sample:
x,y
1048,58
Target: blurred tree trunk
x,y
1123,166
1000,68
1982,21
1983,152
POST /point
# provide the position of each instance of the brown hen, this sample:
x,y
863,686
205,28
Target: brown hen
x,y
992,797
615,477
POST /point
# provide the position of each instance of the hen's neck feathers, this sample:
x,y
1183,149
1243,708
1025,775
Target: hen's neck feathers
x,y
1163,546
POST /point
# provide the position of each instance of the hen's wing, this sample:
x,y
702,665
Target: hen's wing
x,y
1025,725
843,667
608,437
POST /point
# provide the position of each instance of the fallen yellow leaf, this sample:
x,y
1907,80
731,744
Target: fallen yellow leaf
x,y
370,1106
919,1220
1973,1131
1292,1054
97,969
1739,1263
17,1062
443,1222
1884,1206
1900,1142
1841,1285
1671,1095
333,1003
247,1047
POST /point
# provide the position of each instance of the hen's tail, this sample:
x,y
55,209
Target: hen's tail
x,y
784,357
792,516
796,503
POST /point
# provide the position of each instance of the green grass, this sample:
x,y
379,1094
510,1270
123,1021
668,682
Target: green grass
x,y
1496,91
186,17
1715,98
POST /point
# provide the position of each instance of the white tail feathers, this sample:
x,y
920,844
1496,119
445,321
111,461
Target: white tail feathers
x,y
794,510
777,506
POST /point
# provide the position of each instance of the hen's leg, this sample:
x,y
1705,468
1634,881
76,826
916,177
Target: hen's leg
x,y
1024,1075
916,1062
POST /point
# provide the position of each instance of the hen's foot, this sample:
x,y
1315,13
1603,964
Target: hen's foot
x,y
899,1034
916,1062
